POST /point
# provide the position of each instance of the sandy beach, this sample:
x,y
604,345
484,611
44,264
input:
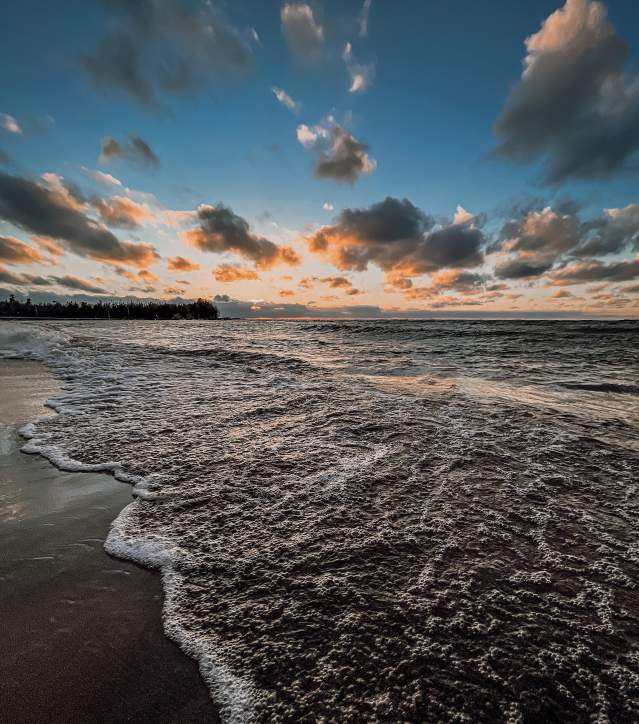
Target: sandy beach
x,y
82,637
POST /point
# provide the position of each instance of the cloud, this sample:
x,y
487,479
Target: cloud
x,y
68,281
584,272
304,35
286,100
179,263
462,216
144,275
340,283
49,212
158,47
221,231
105,179
121,211
562,294
611,233
327,206
72,282
361,75
342,157
14,251
363,19
226,273
463,282
9,124
521,269
533,243
573,106
4,157
396,236
136,150
286,293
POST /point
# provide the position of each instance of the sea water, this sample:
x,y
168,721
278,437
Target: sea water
x,y
372,520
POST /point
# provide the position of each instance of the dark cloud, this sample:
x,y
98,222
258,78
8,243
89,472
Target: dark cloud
x,y
573,105
14,251
136,150
596,271
221,231
68,281
538,240
611,233
41,210
303,33
157,47
346,160
521,269
396,236
342,157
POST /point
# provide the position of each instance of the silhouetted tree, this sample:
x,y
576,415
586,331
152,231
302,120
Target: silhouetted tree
x,y
201,309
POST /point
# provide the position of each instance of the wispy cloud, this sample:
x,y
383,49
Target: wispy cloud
x,y
9,124
285,99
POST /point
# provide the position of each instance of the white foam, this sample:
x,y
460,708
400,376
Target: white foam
x,y
234,695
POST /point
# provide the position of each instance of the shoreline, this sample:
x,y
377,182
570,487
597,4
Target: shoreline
x,y
84,633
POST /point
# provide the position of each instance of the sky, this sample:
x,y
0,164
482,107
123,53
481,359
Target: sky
x,y
336,157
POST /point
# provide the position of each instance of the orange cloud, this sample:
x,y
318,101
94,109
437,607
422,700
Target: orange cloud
x,y
221,231
179,263
122,211
14,251
286,293
226,273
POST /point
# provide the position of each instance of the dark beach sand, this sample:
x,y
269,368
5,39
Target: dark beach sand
x,y
81,635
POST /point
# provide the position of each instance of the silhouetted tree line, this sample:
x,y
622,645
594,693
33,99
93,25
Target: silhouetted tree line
x,y
201,309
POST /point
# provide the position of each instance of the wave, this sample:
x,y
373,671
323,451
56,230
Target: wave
x,y
617,388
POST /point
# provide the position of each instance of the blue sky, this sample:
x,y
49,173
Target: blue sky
x,y
440,76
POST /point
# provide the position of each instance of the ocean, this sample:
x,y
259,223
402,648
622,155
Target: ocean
x,y
419,521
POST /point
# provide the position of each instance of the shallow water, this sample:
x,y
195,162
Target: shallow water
x,y
373,521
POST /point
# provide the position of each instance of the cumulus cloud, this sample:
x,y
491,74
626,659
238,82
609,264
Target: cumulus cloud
x,y
136,150
68,281
9,124
226,273
533,243
303,33
285,99
158,47
574,105
179,263
327,206
342,157
361,75
53,212
14,251
396,236
221,231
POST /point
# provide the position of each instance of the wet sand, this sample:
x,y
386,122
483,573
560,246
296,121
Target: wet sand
x,y
80,633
